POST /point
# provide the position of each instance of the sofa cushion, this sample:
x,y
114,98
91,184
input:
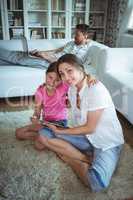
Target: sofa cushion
x,y
44,45
125,78
13,45
121,88
119,59
20,81
94,55
89,69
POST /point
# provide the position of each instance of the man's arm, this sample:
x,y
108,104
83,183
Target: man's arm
x,y
47,55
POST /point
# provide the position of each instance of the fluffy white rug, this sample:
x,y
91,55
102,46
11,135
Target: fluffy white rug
x,y
26,174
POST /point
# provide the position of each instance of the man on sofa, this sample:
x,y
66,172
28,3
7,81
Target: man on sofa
x,y
80,47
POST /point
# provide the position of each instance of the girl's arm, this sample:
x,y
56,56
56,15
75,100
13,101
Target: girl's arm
x,y
37,112
89,127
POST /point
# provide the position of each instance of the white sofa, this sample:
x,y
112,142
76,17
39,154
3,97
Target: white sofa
x,y
16,80
116,72
113,66
22,80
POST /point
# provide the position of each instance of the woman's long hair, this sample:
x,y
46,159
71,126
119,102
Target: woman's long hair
x,y
71,59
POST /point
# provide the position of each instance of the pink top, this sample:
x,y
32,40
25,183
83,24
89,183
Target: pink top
x,y
54,107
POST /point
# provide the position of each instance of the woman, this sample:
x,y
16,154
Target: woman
x,y
96,129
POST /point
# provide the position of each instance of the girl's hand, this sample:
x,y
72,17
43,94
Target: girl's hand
x,y
34,120
91,80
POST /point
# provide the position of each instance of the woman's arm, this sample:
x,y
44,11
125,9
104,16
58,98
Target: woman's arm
x,y
91,80
89,127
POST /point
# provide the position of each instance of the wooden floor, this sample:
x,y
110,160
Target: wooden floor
x,y
24,103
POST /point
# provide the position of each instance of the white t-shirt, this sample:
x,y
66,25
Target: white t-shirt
x,y
108,132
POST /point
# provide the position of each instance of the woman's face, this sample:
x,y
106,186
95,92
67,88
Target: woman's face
x,y
52,79
69,74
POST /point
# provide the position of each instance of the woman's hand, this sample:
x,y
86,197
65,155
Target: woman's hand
x,y
54,128
91,80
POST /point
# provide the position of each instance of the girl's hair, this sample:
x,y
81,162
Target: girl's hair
x,y
72,60
52,68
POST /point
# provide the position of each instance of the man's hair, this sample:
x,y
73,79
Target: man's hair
x,y
52,67
84,28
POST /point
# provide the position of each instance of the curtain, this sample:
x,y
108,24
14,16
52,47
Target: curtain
x,y
116,9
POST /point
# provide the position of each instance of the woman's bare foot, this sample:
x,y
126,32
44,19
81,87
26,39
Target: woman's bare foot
x,y
38,145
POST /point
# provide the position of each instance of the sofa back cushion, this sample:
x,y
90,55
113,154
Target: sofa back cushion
x,y
15,45
119,59
92,65
94,53
40,44
44,45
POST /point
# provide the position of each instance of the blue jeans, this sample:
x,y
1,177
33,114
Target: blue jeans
x,y
21,58
104,162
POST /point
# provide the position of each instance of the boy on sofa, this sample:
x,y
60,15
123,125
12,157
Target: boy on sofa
x,y
80,47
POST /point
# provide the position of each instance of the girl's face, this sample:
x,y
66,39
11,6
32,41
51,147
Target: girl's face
x,y
52,80
70,74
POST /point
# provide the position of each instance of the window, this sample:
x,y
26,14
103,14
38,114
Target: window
x,y
130,23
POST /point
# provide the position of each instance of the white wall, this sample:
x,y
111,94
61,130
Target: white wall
x,y
125,39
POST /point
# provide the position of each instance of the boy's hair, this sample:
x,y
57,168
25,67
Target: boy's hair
x,y
84,28
52,68
72,60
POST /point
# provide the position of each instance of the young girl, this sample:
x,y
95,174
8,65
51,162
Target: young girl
x,y
50,105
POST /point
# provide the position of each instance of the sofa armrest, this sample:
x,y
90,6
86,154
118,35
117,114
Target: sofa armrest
x,y
93,56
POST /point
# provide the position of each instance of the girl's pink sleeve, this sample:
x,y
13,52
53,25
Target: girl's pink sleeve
x,y
38,95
